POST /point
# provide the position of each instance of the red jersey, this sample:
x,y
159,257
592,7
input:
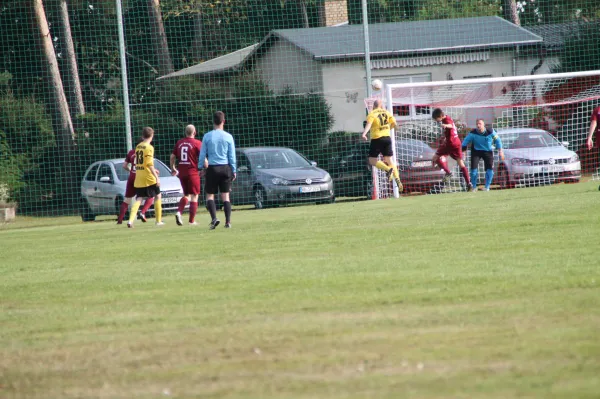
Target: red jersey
x,y
596,117
130,159
451,134
187,151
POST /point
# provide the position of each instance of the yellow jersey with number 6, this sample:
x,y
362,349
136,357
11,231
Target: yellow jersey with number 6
x,y
144,158
381,121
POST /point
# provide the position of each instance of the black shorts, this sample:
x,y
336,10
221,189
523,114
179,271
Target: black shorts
x,y
487,156
218,178
383,146
147,192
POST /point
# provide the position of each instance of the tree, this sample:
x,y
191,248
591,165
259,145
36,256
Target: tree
x,y
533,12
159,38
72,82
56,99
509,9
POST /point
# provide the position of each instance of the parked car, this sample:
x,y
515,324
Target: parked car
x,y
103,188
268,176
352,173
533,157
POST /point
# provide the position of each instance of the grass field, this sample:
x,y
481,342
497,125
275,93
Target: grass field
x,y
471,295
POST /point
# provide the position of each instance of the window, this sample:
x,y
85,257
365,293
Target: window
x,y
105,171
122,174
91,175
411,97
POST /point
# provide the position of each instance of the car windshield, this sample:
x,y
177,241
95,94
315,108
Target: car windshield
x,y
528,140
276,159
410,145
123,174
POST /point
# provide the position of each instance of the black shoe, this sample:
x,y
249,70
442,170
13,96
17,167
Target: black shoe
x,y
119,222
227,225
178,219
214,224
142,217
469,187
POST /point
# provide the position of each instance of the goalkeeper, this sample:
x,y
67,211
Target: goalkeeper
x,y
481,140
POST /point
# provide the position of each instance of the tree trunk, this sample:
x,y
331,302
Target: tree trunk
x,y
303,10
72,82
57,101
197,42
509,9
322,13
159,38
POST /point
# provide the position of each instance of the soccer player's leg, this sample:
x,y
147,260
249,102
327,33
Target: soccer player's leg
x,y
147,204
488,161
211,186
457,155
389,159
184,180
439,158
194,193
225,188
474,168
133,211
158,208
123,210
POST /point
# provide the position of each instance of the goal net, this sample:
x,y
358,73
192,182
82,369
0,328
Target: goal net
x,y
542,121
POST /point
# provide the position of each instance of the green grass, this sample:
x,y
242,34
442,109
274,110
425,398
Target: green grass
x,y
473,295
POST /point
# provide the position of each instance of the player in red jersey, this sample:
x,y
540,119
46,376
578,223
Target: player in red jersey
x,y
451,146
186,154
129,165
594,128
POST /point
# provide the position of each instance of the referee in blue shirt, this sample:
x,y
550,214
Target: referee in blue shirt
x,y
218,147
482,139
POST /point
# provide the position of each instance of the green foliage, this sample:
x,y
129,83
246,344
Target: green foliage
x,y
533,12
582,50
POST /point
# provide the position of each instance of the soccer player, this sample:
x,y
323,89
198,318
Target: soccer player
x,y
450,146
186,153
147,182
129,165
481,140
594,127
379,123
218,148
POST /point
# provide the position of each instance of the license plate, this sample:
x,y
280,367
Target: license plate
x,y
421,164
553,168
310,189
170,200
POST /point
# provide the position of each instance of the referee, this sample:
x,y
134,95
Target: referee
x,y
218,147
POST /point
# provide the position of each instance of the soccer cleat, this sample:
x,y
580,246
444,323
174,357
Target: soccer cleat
x,y
129,225
193,223
178,219
214,224
119,222
447,178
470,187
160,224
487,189
474,189
142,217
227,225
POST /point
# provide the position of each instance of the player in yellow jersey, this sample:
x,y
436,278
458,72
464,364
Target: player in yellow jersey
x,y
379,123
147,182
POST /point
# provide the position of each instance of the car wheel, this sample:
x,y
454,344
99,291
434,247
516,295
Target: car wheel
x,y
260,198
504,179
86,212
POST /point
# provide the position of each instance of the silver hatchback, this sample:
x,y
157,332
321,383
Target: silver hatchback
x,y
268,176
104,183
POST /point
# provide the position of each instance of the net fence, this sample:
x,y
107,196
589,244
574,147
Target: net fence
x,y
290,74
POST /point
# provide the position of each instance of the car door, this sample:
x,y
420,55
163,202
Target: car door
x,y
242,185
105,188
88,186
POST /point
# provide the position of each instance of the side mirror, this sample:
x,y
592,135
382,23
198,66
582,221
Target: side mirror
x,y
105,179
243,168
565,143
313,163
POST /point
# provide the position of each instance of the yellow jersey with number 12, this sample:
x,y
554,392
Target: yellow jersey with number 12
x,y
144,157
381,121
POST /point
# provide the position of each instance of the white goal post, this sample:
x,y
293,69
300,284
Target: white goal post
x,y
560,103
